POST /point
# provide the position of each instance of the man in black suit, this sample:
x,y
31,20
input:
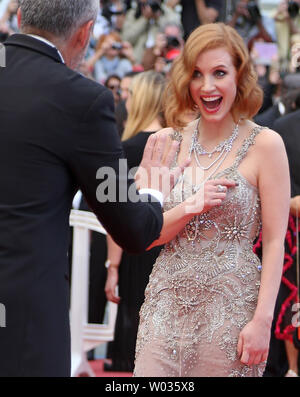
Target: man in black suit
x,y
57,129
288,128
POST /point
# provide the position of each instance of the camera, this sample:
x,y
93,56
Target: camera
x,y
293,9
254,11
172,42
117,45
155,5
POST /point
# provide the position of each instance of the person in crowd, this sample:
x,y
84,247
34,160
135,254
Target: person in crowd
x,y
121,111
284,358
125,84
57,135
287,20
209,303
110,17
8,21
112,56
131,272
114,11
269,79
142,24
113,83
199,12
285,103
168,44
250,23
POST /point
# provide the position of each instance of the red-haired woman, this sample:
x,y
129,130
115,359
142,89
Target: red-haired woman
x,y
209,302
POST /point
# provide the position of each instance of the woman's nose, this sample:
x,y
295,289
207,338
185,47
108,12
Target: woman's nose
x,y
208,84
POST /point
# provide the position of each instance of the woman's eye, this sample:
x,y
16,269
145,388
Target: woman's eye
x,y
196,74
220,73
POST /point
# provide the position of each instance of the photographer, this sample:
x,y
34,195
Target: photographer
x,y
199,12
114,11
143,23
168,41
250,24
287,19
112,56
8,21
110,18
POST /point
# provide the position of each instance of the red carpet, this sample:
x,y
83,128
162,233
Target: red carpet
x,y
97,367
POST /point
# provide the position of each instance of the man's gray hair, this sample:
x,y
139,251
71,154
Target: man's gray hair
x,y
58,17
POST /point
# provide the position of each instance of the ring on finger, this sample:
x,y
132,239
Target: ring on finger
x,y
221,188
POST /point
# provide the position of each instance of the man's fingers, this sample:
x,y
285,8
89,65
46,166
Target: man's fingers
x,y
176,172
149,148
159,148
171,154
186,163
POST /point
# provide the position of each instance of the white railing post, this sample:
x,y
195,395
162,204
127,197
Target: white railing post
x,y
85,336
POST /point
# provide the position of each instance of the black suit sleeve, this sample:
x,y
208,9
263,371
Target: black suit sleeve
x,y
95,153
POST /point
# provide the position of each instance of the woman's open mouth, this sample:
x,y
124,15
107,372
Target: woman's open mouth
x,y
211,103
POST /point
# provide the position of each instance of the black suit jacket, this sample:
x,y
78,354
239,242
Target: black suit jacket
x,y
268,117
288,127
57,128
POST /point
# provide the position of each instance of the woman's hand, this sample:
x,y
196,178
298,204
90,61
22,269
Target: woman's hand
x,y
212,194
253,343
111,284
127,51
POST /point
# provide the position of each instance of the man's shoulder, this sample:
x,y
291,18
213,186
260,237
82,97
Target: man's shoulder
x,y
288,120
75,80
77,88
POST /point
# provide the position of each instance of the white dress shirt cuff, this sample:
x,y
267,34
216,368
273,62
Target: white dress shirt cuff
x,y
155,193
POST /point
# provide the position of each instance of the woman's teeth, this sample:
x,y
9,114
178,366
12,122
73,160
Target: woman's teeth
x,y
211,102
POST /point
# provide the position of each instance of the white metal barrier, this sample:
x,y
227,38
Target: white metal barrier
x,y
84,336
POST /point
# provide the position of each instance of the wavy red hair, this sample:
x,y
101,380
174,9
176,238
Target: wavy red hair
x,y
177,98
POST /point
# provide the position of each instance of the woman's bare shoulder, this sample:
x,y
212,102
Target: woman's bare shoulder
x,y
267,139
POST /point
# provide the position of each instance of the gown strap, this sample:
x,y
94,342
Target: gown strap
x,y
176,136
250,140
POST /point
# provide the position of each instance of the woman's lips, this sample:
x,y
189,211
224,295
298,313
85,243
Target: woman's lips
x,y
211,104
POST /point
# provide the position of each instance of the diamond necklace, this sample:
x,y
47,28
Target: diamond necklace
x,y
222,147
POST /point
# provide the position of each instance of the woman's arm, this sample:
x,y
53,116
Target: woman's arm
x,y
114,255
205,14
295,206
274,191
94,58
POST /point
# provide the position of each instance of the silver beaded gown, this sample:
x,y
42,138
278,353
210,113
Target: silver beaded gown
x,y
203,288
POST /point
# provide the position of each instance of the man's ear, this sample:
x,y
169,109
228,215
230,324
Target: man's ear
x,y
19,17
82,36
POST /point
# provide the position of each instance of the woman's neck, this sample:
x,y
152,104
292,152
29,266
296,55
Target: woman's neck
x,y
155,125
212,133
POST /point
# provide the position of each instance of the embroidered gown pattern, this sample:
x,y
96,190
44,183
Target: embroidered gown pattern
x,y
204,286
